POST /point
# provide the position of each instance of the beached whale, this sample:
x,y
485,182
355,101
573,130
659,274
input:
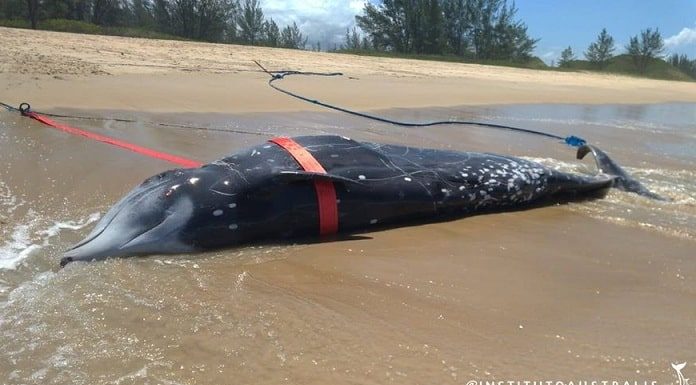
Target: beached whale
x,y
265,193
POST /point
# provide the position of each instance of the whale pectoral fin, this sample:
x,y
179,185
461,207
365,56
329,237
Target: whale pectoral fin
x,y
292,176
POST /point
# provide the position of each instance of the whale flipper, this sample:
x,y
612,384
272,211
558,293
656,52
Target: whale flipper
x,y
623,181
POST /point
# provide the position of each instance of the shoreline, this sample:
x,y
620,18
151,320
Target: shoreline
x,y
216,93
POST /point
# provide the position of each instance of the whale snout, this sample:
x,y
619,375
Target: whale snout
x,y
92,249
65,260
142,223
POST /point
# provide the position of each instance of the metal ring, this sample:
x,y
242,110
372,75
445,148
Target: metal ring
x,y
24,108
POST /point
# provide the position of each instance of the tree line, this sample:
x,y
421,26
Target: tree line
x,y
642,49
473,29
227,21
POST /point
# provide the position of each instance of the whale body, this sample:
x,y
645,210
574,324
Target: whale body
x,y
263,193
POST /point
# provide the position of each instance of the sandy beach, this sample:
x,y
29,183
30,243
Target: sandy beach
x,y
590,291
58,70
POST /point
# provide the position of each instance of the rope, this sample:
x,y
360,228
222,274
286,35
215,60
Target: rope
x,y
9,107
124,120
25,110
572,140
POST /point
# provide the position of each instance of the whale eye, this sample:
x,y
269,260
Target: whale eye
x,y
167,174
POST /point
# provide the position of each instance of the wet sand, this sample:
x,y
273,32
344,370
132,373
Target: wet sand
x,y
598,290
563,292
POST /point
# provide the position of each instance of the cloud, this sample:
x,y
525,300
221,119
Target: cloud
x,y
324,21
685,38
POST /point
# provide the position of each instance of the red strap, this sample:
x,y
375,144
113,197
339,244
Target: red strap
x,y
326,192
115,142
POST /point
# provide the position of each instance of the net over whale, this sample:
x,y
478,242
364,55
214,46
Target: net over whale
x,y
265,193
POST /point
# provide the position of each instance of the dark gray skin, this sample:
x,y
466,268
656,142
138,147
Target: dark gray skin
x,y
261,193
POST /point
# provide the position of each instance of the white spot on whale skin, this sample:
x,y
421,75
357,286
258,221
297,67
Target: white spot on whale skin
x,y
217,212
373,221
462,188
233,226
334,155
194,180
254,152
232,205
361,177
407,179
226,183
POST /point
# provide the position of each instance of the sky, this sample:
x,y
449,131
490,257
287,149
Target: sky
x,y
563,23
558,23
324,21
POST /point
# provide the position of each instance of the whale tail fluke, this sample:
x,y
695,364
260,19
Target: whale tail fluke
x,y
622,180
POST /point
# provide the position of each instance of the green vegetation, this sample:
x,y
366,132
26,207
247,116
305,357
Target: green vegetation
x,y
641,59
567,56
64,25
599,52
684,64
74,26
222,21
472,29
624,65
646,49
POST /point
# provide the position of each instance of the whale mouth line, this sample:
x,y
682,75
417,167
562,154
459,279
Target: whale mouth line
x,y
144,232
124,245
91,237
67,258
113,241
128,199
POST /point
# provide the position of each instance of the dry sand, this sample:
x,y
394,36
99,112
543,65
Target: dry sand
x,y
51,69
545,294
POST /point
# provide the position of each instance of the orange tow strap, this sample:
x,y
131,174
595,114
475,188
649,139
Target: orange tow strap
x,y
178,160
326,192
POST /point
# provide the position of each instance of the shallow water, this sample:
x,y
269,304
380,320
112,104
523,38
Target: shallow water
x,y
592,290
